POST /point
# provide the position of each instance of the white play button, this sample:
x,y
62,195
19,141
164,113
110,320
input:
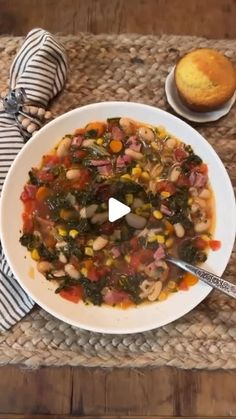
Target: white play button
x,y
116,209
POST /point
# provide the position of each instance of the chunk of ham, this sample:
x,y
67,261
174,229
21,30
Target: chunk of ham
x,y
165,210
122,161
115,252
133,143
105,170
112,297
159,253
198,180
117,133
77,141
100,162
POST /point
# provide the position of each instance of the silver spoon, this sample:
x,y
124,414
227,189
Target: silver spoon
x,y
207,277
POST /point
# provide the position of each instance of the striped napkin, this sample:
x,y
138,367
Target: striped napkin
x,y
40,69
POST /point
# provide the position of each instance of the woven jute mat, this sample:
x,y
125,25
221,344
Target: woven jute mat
x,y
134,68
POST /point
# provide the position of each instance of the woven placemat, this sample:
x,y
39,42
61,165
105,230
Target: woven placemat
x,y
134,68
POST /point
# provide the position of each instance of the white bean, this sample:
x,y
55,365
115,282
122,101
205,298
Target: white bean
x,y
127,125
135,221
73,174
99,243
61,244
62,258
202,226
179,230
146,133
134,154
44,266
88,212
171,142
72,271
201,202
194,208
137,202
63,147
59,273
155,292
99,218
88,143
174,174
205,194
156,170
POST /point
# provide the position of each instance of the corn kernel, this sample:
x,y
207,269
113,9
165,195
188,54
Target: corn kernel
x,y
136,171
160,239
161,132
162,296
152,238
146,207
171,285
104,205
62,232
109,262
73,233
100,141
157,214
127,258
129,198
126,176
84,271
165,194
90,242
145,176
138,211
190,201
88,251
35,254
169,242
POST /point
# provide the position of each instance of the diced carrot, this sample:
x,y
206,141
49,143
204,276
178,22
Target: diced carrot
x,y
42,193
74,293
215,245
99,127
116,146
88,263
183,286
202,168
66,214
169,227
190,279
126,303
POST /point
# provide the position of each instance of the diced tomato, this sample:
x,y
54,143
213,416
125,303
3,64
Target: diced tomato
x,y
200,243
183,286
27,223
83,180
167,186
202,168
93,274
45,176
143,256
50,160
28,193
134,243
80,154
183,181
215,245
74,293
180,154
66,161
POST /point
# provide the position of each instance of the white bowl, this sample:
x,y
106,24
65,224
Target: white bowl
x,y
182,110
108,319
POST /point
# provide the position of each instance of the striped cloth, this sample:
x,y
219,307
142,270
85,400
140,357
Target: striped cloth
x,y
40,68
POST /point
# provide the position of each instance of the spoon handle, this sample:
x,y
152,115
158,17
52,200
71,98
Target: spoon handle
x,y
207,277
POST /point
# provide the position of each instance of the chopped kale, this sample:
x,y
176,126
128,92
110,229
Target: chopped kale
x,y
46,254
92,133
28,240
191,161
130,284
93,290
34,179
58,201
189,252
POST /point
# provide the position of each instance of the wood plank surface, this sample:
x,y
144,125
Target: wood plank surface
x,y
96,392
211,18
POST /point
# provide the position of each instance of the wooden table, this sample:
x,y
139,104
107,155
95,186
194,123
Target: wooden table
x,y
157,392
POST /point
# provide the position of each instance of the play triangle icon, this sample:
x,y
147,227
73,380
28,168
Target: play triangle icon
x,y
116,209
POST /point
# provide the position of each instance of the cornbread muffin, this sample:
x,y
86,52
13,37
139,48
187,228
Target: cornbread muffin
x,y
205,79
